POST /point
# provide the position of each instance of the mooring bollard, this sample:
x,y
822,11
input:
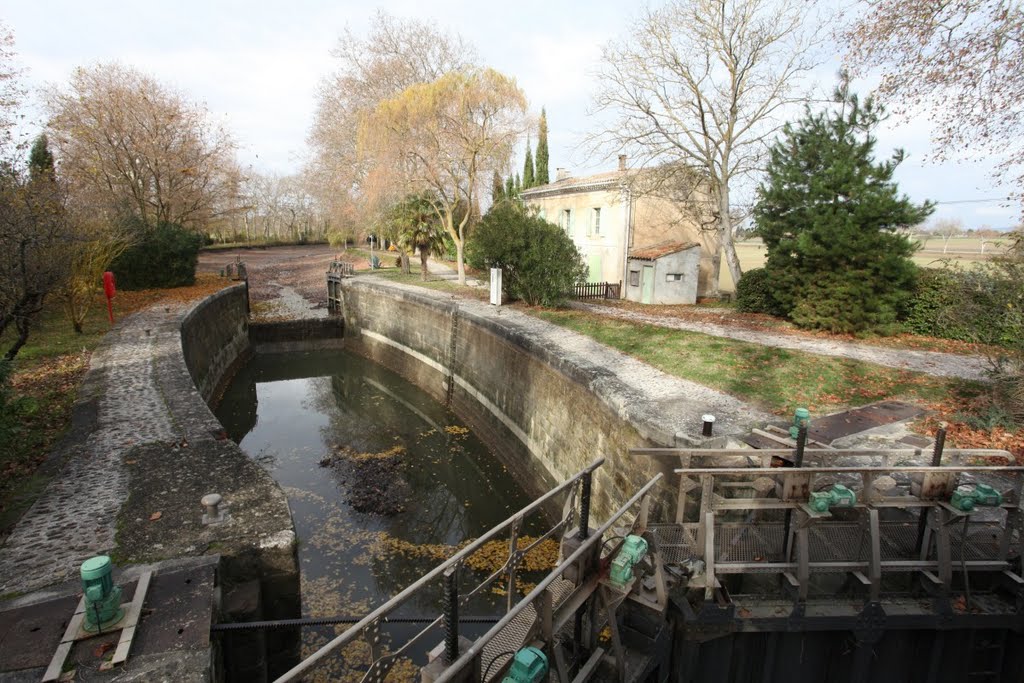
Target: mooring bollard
x,y
213,515
709,423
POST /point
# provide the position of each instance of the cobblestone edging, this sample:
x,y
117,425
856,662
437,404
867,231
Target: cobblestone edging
x,y
138,397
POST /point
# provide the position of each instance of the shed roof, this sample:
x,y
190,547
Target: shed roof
x,y
658,250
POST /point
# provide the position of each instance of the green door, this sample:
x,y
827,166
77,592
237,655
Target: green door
x,y
595,268
647,285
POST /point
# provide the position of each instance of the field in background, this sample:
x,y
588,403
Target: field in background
x,y
963,250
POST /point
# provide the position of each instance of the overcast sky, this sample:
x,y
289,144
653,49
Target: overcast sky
x,y
257,64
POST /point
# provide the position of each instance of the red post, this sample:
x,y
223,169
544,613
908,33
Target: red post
x,y
109,290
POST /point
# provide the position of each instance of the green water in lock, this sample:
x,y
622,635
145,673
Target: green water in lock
x,y
292,411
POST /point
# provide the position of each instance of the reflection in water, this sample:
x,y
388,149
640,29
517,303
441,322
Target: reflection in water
x,y
291,411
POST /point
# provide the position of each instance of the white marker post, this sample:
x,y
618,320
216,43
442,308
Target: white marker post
x,y
495,286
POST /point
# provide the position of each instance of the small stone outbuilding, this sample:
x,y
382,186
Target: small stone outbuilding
x,y
664,274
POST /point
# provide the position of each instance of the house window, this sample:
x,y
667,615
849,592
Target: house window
x,y
674,277
634,278
566,221
595,222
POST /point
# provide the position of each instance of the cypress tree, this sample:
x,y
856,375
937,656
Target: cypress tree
x,y
497,188
528,168
829,214
517,186
541,176
40,160
510,187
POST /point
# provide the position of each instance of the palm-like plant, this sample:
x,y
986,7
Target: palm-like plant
x,y
422,230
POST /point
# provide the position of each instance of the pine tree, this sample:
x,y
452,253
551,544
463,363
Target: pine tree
x,y
528,167
541,176
828,215
510,187
497,188
40,160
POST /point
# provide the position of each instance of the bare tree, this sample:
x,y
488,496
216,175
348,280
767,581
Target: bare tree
x,y
947,229
444,139
139,148
700,86
11,89
34,250
958,60
395,55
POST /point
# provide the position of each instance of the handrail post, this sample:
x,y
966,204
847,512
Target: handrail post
x,y
585,505
451,614
801,444
922,515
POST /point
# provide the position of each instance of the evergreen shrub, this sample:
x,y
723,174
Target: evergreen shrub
x,y
983,304
539,262
164,256
830,217
754,293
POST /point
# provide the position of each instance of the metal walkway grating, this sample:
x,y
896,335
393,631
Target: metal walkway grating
x,y
827,541
513,636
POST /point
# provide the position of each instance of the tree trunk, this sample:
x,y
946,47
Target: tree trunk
x,y
404,257
22,323
460,261
424,255
725,241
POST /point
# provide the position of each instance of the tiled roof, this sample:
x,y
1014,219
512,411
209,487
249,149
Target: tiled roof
x,y
572,183
659,250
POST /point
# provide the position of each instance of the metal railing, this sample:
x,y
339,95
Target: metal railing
x,y
866,546
551,617
443,580
341,269
335,272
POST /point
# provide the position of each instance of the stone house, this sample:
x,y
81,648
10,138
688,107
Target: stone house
x,y
608,221
658,275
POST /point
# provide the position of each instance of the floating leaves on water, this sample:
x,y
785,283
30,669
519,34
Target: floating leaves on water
x,y
493,555
456,430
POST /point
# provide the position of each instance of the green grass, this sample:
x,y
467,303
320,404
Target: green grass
x,y
47,372
778,380
395,275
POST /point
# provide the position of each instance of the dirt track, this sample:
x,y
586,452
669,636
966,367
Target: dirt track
x,y
283,281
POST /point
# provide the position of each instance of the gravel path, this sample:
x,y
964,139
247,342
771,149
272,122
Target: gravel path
x,y
929,362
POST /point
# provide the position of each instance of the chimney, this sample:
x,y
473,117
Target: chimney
x,y
561,174
622,162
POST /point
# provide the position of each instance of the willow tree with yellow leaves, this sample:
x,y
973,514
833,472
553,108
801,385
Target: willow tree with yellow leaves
x,y
445,139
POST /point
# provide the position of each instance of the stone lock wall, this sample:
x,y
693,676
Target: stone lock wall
x,y
546,400
215,337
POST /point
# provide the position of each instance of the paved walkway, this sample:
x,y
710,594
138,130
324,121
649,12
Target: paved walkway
x,y
74,518
929,362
